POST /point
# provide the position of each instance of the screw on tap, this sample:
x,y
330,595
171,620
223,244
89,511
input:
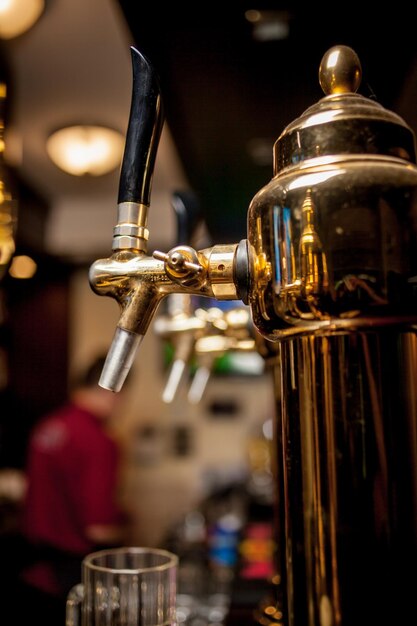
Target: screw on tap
x,y
180,262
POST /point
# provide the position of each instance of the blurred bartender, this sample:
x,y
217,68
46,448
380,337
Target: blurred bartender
x,y
71,506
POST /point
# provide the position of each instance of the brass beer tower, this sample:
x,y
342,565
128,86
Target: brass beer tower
x,y
329,269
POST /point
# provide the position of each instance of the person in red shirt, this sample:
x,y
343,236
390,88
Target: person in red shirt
x,y
71,505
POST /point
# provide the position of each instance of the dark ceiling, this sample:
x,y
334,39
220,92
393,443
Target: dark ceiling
x,y
227,96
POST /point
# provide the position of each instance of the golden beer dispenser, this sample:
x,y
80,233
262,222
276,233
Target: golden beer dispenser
x,y
329,269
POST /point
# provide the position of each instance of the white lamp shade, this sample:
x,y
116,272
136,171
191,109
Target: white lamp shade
x,y
17,16
80,150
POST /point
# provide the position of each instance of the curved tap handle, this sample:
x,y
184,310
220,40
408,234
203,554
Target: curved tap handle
x,y
188,211
143,133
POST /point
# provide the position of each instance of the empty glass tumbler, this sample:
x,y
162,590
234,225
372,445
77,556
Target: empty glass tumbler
x,y
131,586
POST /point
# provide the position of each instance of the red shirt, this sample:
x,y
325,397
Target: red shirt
x,y
72,479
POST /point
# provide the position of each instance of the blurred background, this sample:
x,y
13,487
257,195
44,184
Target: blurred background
x,y
232,78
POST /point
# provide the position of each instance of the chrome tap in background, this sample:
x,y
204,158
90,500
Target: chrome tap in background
x,y
227,331
199,335
180,326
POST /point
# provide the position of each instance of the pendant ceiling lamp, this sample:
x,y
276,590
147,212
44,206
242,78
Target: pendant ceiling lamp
x,y
17,16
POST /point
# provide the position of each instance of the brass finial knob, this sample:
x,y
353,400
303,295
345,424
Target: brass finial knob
x,y
340,71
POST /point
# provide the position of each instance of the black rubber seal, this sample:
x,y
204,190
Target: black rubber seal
x,y
241,271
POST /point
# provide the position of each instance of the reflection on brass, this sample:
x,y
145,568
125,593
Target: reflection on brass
x,y
313,267
303,279
350,460
261,272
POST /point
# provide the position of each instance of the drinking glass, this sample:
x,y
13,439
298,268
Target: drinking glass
x,y
130,586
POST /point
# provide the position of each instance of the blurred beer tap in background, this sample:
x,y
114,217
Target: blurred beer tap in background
x,y
227,330
198,335
180,327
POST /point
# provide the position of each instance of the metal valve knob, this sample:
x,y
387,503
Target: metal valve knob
x,y
182,264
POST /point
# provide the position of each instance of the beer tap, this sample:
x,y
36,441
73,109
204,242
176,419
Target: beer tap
x,y
228,331
137,281
181,326
200,335
117,276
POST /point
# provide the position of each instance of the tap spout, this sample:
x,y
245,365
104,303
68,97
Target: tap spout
x,y
119,359
136,282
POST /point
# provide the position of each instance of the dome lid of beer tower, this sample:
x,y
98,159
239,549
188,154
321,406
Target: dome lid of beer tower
x,y
343,122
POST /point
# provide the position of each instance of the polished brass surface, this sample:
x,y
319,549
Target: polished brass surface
x,y
131,232
343,122
333,234
351,262
139,282
340,71
348,420
334,238
221,266
182,265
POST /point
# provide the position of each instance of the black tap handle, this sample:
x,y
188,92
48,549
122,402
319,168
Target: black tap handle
x,y
188,211
143,133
